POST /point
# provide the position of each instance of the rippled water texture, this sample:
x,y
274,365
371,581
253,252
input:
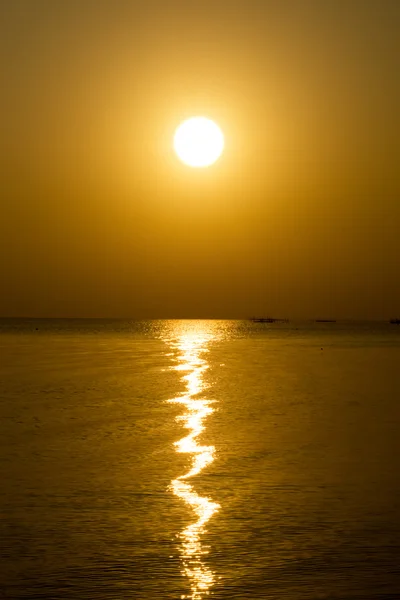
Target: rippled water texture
x,y
189,459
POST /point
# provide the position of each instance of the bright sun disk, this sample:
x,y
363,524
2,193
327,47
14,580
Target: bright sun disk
x,y
198,142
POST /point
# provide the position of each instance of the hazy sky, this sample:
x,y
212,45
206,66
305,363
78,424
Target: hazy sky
x,y
300,217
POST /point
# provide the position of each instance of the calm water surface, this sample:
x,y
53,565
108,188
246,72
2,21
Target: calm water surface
x,y
186,459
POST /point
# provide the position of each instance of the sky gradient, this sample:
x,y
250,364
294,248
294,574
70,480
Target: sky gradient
x,y
300,218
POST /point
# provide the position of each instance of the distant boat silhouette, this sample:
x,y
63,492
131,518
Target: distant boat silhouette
x,y
268,320
395,321
325,320
262,320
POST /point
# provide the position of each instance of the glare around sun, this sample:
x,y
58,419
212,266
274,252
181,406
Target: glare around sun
x,y
198,142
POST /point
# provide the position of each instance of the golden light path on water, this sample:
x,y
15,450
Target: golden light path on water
x,y
190,347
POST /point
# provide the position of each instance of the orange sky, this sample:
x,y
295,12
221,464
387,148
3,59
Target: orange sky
x,y
299,218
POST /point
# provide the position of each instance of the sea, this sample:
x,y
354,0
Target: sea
x,y
198,459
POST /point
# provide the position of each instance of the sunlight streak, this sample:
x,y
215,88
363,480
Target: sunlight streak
x,y
189,348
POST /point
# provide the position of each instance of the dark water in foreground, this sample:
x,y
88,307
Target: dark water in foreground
x,y
194,458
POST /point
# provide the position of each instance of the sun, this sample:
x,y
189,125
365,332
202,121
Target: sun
x,y
198,142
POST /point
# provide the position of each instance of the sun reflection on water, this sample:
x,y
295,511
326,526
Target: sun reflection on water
x,y
189,348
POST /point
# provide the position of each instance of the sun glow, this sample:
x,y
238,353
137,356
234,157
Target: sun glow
x,y
198,142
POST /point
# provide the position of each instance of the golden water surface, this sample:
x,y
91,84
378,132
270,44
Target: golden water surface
x,y
279,479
